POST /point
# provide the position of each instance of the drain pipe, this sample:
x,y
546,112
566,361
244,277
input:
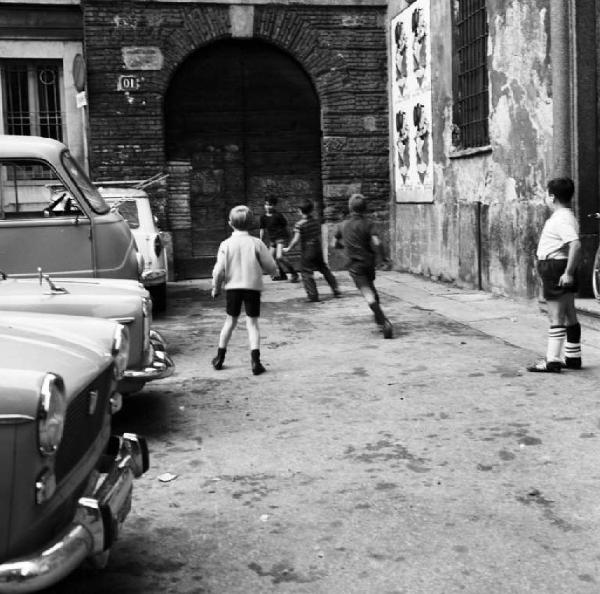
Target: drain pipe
x,y
562,96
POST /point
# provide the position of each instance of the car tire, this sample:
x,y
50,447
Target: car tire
x,y
159,297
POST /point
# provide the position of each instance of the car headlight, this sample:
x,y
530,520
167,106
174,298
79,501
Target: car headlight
x,y
52,410
120,350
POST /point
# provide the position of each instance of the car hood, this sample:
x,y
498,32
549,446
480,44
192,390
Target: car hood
x,y
113,299
34,343
83,285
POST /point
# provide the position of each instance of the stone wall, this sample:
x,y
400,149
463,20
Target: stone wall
x,y
342,49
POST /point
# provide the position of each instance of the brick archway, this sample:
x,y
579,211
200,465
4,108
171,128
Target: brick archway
x,y
247,119
342,48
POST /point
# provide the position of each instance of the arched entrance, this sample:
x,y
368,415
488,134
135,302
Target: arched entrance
x,y
246,117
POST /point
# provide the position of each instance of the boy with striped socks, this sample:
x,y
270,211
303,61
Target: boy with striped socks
x,y
558,254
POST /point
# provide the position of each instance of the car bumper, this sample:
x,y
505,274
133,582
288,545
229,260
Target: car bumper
x,y
161,366
95,525
151,278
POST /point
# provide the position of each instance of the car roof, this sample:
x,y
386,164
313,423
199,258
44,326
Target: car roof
x,y
109,192
29,146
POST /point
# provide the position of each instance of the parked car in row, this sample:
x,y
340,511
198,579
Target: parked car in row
x,y
134,205
66,482
52,215
124,301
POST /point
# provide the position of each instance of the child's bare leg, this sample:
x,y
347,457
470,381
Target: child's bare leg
x,y
224,336
254,339
284,264
227,330
253,328
368,291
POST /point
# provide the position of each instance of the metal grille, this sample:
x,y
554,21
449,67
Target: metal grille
x,y
32,104
81,427
471,79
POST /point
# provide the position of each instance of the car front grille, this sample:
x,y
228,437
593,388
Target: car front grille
x,y
82,424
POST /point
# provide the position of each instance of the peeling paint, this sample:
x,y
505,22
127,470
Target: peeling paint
x,y
489,206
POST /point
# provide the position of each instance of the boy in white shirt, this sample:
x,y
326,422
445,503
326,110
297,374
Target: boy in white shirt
x,y
241,261
558,254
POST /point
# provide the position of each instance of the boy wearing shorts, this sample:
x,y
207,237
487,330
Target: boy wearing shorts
x,y
241,261
359,238
275,226
558,254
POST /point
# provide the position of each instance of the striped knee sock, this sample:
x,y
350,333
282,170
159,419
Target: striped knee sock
x,y
556,338
573,347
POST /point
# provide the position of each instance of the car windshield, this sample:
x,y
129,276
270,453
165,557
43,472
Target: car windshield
x,y
89,191
128,210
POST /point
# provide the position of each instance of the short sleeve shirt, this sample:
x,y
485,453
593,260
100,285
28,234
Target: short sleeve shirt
x,y
356,233
310,233
559,230
276,226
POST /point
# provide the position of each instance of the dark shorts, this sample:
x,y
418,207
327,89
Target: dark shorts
x,y
234,299
550,272
363,277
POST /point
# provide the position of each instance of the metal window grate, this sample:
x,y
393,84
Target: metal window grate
x,y
471,106
32,104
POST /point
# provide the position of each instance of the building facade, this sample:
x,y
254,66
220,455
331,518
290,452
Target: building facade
x,y
239,103
490,94
449,115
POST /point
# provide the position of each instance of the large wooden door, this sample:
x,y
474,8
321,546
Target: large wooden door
x,y
247,117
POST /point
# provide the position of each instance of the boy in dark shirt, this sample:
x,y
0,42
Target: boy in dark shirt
x,y
276,227
359,238
307,231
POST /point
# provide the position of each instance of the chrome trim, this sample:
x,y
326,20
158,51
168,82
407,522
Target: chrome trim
x,y
161,366
94,528
10,419
127,320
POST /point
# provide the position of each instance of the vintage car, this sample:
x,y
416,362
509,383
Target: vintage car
x,y
121,300
66,483
50,208
134,205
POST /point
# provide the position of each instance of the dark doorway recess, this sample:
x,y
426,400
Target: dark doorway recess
x,y
247,117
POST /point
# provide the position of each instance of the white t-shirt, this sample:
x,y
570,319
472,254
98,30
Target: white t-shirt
x,y
559,230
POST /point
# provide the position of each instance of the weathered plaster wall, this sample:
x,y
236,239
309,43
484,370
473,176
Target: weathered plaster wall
x,y
488,209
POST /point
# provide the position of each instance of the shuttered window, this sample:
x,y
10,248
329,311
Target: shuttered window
x,y
471,100
31,98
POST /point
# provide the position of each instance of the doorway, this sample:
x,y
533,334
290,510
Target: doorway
x,y
247,117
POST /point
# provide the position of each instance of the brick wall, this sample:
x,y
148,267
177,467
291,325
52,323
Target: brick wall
x,y
342,49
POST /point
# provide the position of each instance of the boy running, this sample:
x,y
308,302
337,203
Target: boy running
x,y
307,231
358,236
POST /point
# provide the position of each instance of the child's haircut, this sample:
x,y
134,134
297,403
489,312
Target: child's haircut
x,y
306,206
241,218
272,200
357,203
562,188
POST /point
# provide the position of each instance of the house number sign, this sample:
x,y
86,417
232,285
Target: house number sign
x,y
128,82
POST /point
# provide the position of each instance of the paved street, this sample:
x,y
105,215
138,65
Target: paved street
x,y
428,463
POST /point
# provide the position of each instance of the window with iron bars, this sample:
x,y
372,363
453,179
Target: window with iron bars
x,y
31,98
471,99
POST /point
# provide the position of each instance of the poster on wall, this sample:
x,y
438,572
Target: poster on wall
x,y
411,104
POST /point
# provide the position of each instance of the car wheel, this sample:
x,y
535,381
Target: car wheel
x,y
159,297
